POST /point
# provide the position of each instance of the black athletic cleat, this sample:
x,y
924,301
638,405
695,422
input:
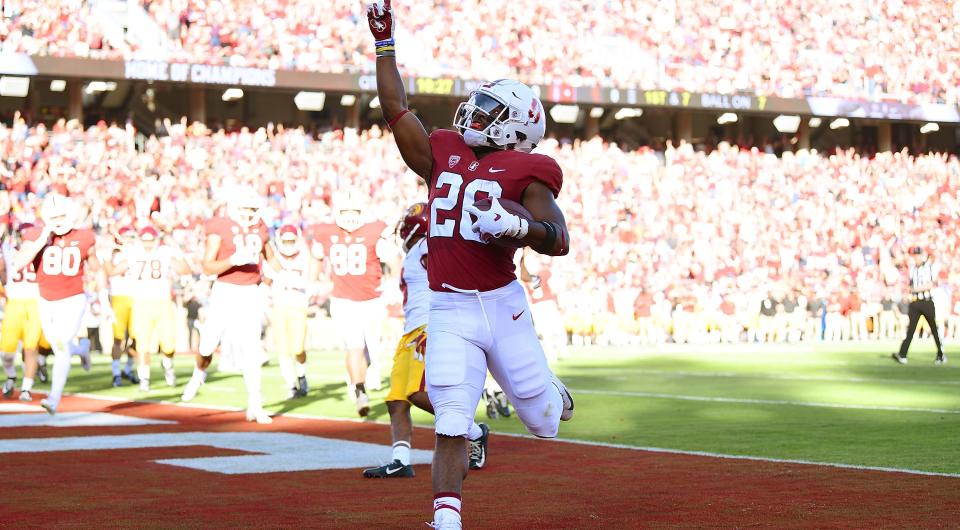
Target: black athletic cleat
x,y
8,386
941,359
896,357
502,403
116,381
42,373
302,386
478,448
394,469
131,376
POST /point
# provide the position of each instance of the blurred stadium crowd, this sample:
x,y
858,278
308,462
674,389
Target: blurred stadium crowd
x,y
673,245
903,50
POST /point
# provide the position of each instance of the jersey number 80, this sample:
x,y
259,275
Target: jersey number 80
x,y
58,261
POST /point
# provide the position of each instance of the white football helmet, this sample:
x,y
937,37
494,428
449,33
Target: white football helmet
x,y
60,213
288,240
244,206
501,114
348,210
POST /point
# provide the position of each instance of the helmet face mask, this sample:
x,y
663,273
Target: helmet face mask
x,y
244,207
503,114
59,213
348,210
288,241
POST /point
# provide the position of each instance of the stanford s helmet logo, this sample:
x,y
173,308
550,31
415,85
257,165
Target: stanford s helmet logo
x,y
534,112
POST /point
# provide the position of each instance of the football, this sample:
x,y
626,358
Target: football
x,y
512,207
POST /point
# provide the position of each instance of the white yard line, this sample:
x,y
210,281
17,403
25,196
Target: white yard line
x,y
574,441
778,377
682,397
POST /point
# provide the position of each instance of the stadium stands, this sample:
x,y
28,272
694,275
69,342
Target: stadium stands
x,y
903,51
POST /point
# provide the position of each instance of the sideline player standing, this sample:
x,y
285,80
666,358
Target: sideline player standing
x,y
478,310
354,249
21,321
923,279
121,302
60,252
407,384
233,250
153,319
290,288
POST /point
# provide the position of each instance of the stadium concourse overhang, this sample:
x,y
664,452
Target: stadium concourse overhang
x,y
146,92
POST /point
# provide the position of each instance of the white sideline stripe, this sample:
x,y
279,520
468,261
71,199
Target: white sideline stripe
x,y
682,397
781,377
566,440
735,457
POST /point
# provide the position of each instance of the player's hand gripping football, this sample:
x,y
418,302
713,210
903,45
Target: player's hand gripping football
x,y
243,257
496,222
380,19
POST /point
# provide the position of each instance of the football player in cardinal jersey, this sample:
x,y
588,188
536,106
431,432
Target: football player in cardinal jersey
x,y
479,316
354,249
407,384
153,319
121,302
233,250
21,321
60,253
290,290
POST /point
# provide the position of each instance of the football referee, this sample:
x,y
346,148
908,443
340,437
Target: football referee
x,y
923,278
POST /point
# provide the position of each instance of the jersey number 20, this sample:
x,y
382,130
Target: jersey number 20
x,y
449,203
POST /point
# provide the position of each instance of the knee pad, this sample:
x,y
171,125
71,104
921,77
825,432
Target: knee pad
x,y
452,423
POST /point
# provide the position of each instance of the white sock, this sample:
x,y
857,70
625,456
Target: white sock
x,y
199,374
41,360
143,371
301,369
287,371
129,367
446,507
8,365
401,452
251,379
166,363
27,384
474,432
115,367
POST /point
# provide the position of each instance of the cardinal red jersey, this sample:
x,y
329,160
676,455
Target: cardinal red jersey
x,y
61,263
234,236
458,258
353,258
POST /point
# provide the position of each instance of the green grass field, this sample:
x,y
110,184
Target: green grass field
x,y
846,404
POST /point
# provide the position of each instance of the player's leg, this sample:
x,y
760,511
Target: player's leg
x,y
929,311
349,323
517,362
217,318
279,333
401,424
297,330
31,342
120,306
167,332
61,320
244,329
374,315
11,331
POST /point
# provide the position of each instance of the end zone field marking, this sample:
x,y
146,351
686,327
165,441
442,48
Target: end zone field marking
x,y
682,397
568,440
76,419
779,377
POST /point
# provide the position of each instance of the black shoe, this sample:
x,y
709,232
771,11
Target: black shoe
x,y
941,359
8,386
116,381
131,376
42,373
896,357
478,448
302,386
394,469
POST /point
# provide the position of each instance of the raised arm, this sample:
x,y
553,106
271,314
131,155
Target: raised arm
x,y
408,132
29,249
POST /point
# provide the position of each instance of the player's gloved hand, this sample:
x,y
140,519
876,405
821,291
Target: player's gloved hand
x,y
497,222
380,20
243,257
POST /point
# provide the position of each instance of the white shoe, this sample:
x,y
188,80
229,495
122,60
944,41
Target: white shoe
x,y
25,395
49,406
170,376
567,413
144,384
260,416
363,405
446,523
190,392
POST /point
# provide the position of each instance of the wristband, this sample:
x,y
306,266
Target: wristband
x,y
385,48
396,118
522,229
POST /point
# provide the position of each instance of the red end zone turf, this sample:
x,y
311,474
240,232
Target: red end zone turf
x,y
527,484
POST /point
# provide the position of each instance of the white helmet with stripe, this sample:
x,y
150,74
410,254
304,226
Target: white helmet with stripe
x,y
60,213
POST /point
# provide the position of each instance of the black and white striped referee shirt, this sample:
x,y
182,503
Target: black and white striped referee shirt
x,y
923,277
